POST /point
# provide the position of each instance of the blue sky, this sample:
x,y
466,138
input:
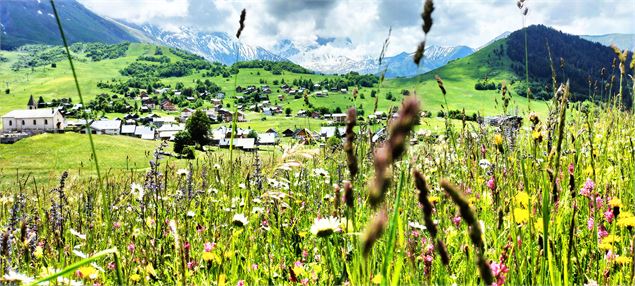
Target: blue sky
x,y
366,22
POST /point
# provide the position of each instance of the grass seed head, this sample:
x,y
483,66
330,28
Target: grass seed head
x,y
243,15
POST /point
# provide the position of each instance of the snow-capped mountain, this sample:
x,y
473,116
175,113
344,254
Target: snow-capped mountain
x,y
213,46
328,55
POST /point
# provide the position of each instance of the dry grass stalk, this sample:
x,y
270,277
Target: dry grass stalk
x,y
440,83
349,199
420,184
374,231
393,148
475,229
426,15
243,15
351,159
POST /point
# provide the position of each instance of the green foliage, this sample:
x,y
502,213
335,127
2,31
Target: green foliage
x,y
276,67
181,140
100,51
198,126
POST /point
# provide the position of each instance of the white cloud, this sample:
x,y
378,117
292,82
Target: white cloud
x,y
366,22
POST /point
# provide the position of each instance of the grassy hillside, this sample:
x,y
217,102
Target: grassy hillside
x,y
459,77
72,152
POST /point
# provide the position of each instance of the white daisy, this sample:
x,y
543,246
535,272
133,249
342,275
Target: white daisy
x,y
416,225
190,214
14,276
239,220
77,234
323,227
484,163
137,191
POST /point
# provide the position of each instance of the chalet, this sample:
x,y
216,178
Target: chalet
x,y
339,117
168,106
344,90
302,113
161,90
144,132
167,131
284,86
144,109
302,134
272,131
228,115
190,98
106,126
280,97
220,95
287,132
33,120
267,111
128,130
160,121
216,101
185,114
267,139
328,132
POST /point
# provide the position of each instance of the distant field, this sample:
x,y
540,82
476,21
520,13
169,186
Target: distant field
x,y
48,155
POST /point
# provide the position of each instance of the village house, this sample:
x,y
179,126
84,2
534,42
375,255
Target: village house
x,y
168,106
106,126
338,117
267,139
228,116
167,131
185,114
144,132
128,130
47,120
160,121
287,132
330,131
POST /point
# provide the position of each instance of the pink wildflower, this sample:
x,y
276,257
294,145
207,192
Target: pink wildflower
x,y
588,187
608,215
491,184
589,223
498,270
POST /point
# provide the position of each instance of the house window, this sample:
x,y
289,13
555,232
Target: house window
x,y
10,123
46,122
34,123
23,122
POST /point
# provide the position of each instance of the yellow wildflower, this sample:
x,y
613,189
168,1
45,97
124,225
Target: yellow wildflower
x,y
521,199
606,246
88,272
623,260
377,279
521,215
498,139
611,238
39,252
626,221
135,277
615,202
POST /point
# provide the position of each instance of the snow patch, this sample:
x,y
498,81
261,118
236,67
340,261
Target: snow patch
x,y
39,12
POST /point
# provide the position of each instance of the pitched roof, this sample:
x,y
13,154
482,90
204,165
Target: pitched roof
x,y
31,101
128,129
31,113
106,125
